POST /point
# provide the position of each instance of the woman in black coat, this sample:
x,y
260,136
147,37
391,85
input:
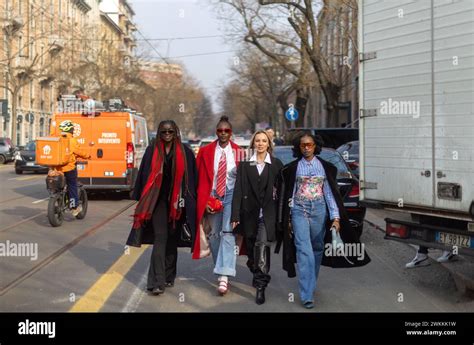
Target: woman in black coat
x,y
254,208
309,206
166,192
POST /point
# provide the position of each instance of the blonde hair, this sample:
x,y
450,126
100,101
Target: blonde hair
x,y
270,143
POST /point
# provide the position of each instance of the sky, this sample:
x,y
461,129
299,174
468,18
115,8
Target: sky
x,y
173,19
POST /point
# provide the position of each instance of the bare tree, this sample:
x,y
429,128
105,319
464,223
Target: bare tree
x,y
258,85
311,30
265,30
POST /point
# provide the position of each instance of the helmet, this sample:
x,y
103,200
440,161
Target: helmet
x,y
66,126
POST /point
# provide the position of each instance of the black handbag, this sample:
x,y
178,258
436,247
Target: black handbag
x,y
185,233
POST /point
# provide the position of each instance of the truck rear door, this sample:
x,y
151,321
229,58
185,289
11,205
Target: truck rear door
x,y
109,135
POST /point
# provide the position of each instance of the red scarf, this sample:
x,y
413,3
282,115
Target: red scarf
x,y
151,191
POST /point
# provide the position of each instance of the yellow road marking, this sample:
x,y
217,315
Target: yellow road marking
x,y
98,294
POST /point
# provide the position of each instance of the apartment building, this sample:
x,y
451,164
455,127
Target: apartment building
x,y
45,45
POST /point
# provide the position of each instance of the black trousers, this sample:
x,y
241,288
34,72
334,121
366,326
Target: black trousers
x,y
164,255
258,249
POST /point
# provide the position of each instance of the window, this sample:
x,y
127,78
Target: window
x,y
32,17
41,126
32,48
20,46
31,93
5,91
42,22
51,10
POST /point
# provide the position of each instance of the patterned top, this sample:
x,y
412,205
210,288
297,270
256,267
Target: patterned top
x,y
311,184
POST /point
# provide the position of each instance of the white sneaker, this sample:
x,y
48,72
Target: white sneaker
x,y
77,210
419,260
447,256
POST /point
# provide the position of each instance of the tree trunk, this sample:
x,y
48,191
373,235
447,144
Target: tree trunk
x,y
331,93
302,96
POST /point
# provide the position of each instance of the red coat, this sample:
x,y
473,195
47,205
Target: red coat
x,y
205,171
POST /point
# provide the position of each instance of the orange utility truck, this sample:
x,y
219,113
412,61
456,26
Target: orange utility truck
x,y
114,136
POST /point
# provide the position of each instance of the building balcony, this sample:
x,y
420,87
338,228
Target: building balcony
x,y
128,38
22,62
82,5
56,44
12,25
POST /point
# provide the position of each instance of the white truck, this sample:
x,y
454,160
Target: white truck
x,y
416,100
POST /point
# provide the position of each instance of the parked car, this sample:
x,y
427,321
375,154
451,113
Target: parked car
x,y
6,151
25,160
346,179
243,142
151,137
194,144
350,153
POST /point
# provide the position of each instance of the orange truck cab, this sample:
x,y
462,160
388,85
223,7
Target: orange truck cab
x,y
116,141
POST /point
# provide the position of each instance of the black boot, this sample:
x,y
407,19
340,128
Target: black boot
x,y
260,297
261,278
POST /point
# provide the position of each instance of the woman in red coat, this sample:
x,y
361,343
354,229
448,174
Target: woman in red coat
x,y
217,168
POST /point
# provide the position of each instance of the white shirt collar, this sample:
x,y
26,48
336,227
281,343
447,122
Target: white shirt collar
x,y
225,149
266,160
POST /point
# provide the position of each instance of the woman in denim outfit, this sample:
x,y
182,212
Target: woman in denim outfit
x,y
217,170
310,204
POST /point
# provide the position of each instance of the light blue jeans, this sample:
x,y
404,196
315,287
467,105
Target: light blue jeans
x,y
221,238
308,219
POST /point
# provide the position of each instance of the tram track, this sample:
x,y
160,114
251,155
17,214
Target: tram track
x,y
46,261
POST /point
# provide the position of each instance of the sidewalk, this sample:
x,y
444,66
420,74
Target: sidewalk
x,y
461,270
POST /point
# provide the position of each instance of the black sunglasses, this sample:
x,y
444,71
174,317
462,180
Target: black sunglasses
x,y
167,131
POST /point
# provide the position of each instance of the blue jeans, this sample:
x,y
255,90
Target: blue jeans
x,y
308,219
221,238
71,181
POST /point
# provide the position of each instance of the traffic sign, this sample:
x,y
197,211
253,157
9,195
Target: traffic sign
x,y
291,114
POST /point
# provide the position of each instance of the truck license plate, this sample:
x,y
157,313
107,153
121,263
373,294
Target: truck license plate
x,y
453,239
30,164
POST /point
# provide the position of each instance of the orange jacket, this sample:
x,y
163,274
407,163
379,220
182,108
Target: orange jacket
x,y
75,151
